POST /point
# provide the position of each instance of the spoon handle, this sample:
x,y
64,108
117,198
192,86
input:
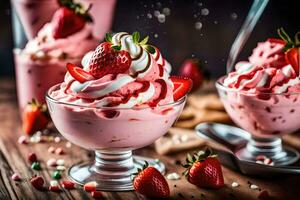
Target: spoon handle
x,y
254,14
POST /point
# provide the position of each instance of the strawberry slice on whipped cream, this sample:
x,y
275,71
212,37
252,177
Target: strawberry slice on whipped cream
x,y
122,72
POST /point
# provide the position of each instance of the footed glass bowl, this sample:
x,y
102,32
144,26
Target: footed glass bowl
x,y
267,116
112,133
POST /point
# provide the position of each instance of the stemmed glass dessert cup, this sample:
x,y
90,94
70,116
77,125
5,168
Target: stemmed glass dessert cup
x,y
267,116
112,133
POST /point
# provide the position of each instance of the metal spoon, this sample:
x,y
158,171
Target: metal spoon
x,y
234,139
254,14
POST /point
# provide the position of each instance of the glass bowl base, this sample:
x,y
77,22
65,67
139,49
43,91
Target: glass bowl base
x,y
114,178
271,148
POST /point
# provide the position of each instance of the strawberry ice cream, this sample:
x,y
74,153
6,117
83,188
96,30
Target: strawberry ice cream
x,y
128,106
41,63
262,95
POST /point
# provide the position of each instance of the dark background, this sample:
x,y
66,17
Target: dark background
x,y
177,38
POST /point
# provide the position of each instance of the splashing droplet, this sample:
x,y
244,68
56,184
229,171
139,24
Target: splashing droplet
x,y
161,18
204,11
166,11
233,16
156,35
198,25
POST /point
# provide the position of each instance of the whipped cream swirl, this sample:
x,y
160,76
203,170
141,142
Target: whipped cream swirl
x,y
146,81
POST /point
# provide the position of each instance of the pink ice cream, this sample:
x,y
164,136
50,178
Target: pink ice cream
x,y
42,62
124,111
263,95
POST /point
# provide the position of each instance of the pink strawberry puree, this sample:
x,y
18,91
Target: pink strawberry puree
x,y
41,64
263,94
117,111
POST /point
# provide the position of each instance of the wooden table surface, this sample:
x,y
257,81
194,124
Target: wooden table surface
x,y
13,158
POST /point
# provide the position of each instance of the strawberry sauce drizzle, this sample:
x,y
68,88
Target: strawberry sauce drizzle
x,y
162,94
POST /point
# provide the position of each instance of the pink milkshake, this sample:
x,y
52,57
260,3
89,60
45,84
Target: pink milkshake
x,y
33,14
122,99
41,63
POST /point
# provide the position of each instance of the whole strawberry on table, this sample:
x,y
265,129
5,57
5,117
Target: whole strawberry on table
x,y
204,170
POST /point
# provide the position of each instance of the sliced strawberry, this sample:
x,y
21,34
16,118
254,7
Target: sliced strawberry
x,y
181,86
78,73
276,40
292,57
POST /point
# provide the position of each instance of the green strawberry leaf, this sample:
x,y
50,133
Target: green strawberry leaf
x,y
136,37
144,41
116,47
150,49
108,37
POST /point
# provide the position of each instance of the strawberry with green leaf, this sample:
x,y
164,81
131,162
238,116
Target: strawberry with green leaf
x,y
151,183
291,49
70,18
203,169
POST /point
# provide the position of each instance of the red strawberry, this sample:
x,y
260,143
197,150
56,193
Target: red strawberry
x,y
204,170
69,19
151,183
276,40
190,69
292,57
181,86
292,49
78,73
35,117
107,59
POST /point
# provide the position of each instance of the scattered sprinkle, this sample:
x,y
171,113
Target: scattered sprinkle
x,y
90,186
173,176
68,144
68,185
60,162
51,162
57,139
54,183
56,175
235,184
60,168
37,182
36,166
32,157
22,140
254,187
96,194
16,177
59,151
35,139
51,149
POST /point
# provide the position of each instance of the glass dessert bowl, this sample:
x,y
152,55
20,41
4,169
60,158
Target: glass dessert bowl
x,y
112,133
267,116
